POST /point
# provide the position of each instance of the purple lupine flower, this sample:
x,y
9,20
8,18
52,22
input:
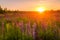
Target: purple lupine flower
x,y
33,29
44,25
17,24
28,28
21,24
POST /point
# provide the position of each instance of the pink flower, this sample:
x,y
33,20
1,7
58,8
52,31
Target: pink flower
x,y
28,28
34,29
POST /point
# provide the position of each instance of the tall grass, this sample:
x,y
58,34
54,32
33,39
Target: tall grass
x,y
24,29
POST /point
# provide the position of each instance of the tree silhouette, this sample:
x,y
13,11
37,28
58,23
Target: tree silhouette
x,y
1,10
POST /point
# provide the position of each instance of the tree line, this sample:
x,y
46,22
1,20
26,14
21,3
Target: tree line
x,y
2,11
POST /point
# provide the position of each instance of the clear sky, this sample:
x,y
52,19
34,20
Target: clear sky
x,y
30,5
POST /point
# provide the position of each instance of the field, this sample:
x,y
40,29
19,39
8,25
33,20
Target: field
x,y
30,26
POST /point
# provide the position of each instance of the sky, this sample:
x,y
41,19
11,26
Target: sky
x,y
30,5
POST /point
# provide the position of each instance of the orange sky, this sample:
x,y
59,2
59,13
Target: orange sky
x,y
30,5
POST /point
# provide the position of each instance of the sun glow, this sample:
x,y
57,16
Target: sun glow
x,y
40,9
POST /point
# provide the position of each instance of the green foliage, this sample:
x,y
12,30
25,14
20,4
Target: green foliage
x,y
13,32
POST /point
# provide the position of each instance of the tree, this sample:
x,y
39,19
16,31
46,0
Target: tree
x,y
5,9
1,10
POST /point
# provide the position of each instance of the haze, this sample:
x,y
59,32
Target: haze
x,y
30,5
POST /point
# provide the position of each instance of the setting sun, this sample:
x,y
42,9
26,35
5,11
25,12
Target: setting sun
x,y
41,9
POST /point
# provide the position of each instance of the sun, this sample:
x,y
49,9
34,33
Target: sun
x,y
40,9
